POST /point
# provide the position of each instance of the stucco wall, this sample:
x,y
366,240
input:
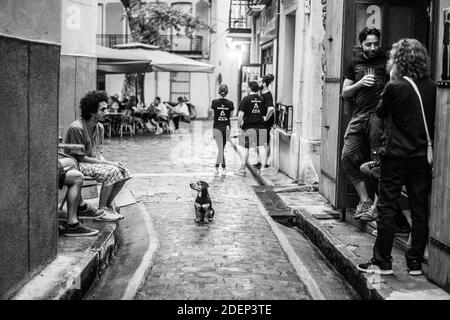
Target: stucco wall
x,y
77,77
299,154
30,37
78,62
34,20
28,126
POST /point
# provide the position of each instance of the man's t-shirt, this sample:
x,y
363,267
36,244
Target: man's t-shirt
x,y
222,112
367,98
78,133
268,102
162,110
253,108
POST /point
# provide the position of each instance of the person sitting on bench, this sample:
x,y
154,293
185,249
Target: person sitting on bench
x,y
77,208
89,132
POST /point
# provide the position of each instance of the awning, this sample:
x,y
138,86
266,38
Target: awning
x,y
165,61
117,61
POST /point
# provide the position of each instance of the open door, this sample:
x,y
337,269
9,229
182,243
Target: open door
x,y
395,19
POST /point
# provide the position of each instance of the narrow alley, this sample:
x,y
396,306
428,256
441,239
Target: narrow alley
x,y
237,256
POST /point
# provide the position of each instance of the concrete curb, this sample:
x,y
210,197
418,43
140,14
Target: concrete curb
x,y
302,272
337,254
72,274
147,260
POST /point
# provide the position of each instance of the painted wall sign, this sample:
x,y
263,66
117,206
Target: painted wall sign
x,y
374,19
79,24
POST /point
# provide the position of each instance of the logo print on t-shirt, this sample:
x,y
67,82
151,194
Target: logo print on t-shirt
x,y
223,115
256,107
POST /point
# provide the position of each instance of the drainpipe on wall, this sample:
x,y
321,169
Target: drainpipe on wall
x,y
278,50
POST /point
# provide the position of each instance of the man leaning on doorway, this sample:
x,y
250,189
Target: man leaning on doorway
x,y
365,78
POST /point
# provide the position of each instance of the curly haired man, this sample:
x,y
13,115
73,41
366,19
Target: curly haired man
x,y
89,132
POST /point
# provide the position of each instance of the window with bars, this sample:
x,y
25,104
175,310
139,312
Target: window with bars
x,y
238,14
180,84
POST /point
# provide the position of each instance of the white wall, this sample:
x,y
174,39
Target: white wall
x,y
299,155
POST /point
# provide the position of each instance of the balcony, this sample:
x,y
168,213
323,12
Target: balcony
x,y
183,45
179,44
239,21
110,40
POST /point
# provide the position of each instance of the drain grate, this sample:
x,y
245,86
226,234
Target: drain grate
x,y
273,204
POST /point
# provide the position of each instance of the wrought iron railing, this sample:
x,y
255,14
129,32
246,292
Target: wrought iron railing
x,y
239,22
177,43
110,40
184,44
284,117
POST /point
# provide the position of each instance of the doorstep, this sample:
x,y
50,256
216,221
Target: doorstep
x,y
78,264
346,245
80,261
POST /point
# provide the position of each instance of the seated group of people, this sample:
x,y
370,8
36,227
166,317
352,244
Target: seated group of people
x,y
74,164
155,117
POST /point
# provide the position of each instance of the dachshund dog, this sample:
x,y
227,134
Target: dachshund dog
x,y
203,206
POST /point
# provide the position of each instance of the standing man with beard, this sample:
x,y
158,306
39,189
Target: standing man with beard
x,y
364,81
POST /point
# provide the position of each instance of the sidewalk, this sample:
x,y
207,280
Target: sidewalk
x,y
344,244
79,262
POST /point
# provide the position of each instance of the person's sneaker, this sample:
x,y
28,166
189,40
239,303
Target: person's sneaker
x,y
362,208
372,266
110,216
257,166
241,172
370,215
79,231
414,267
90,213
224,171
216,171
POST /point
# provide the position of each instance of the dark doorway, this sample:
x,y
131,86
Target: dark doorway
x,y
396,19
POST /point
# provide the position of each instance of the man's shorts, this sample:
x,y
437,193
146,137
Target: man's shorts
x,y
253,137
103,173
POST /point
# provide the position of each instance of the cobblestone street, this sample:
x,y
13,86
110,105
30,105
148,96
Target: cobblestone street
x,y
235,257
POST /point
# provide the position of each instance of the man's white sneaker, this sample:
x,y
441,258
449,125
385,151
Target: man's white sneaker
x,y
110,216
224,172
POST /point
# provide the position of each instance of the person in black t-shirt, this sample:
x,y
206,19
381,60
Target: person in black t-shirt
x,y
252,126
364,81
269,118
221,128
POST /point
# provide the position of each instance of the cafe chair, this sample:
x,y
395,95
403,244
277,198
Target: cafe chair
x,y
127,124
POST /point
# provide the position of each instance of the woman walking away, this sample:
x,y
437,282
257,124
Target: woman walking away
x,y
221,128
268,102
407,107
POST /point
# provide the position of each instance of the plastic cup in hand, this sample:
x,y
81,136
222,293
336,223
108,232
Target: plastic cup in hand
x,y
370,71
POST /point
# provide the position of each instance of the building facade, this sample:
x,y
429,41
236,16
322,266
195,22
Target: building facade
x,y
288,42
30,46
218,49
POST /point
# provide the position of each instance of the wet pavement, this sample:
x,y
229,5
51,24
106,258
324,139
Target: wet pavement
x,y
237,256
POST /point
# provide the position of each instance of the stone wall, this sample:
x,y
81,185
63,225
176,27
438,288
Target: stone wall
x,y
29,45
